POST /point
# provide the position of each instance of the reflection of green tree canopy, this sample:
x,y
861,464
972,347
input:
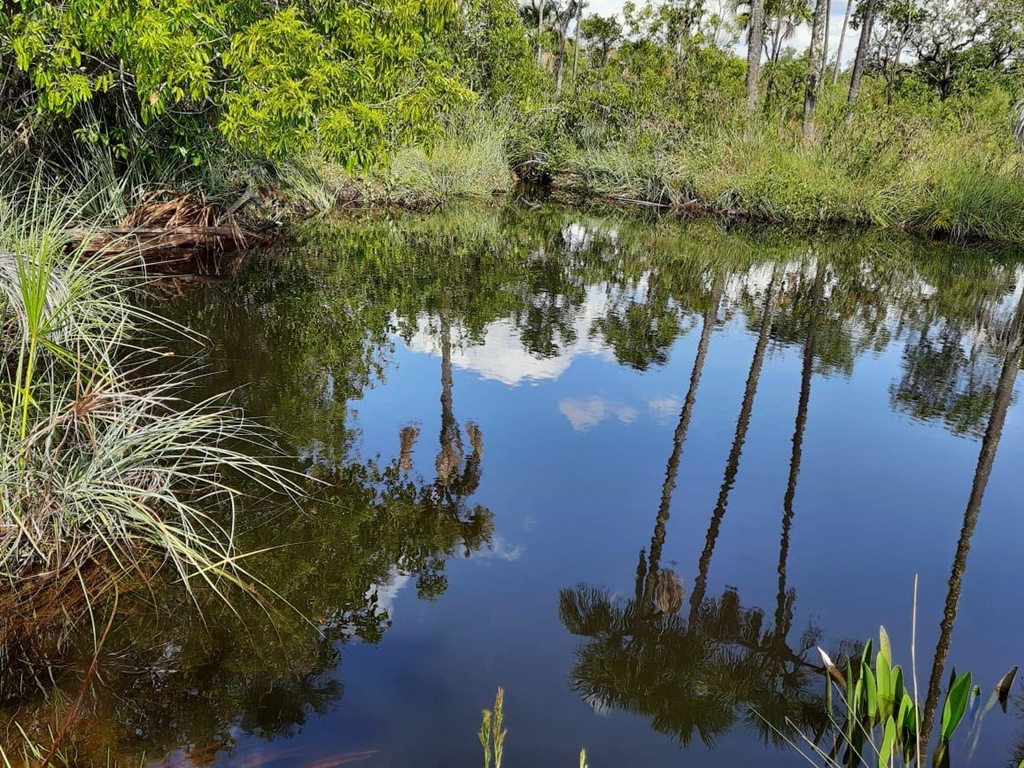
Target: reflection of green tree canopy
x,y
695,676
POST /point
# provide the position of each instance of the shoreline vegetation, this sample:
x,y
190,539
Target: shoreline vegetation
x,y
912,119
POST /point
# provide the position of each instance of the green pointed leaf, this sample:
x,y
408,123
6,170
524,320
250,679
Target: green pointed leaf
x,y
897,685
871,695
883,675
956,703
885,752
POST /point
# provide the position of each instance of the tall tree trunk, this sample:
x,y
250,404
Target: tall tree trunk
x,y
755,44
842,39
783,605
560,59
540,28
672,469
986,459
862,51
576,46
733,463
814,65
774,56
824,46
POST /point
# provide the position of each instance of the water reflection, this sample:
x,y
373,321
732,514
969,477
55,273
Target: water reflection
x,y
1010,339
721,664
313,334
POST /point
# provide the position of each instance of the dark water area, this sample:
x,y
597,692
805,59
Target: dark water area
x,y
633,472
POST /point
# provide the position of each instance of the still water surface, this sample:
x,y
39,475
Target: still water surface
x,y
633,472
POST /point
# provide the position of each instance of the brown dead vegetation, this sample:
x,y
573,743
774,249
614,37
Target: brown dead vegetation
x,y
175,233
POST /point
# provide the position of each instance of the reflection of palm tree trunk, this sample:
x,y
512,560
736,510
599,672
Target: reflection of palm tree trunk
x,y
784,606
986,458
451,439
658,539
732,465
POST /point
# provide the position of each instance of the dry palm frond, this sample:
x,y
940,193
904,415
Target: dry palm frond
x,y
174,232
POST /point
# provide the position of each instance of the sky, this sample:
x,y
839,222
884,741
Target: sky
x,y
799,42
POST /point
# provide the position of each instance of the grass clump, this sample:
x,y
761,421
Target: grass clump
x,y
102,459
468,161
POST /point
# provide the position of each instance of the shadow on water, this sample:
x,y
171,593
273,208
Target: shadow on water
x,y
307,334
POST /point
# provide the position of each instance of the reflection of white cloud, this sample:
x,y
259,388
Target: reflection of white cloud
x,y
665,408
502,356
387,593
500,549
586,414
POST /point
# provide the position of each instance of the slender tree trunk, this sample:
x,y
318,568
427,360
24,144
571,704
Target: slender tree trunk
x,y
733,463
862,52
576,46
986,459
814,65
560,62
540,28
755,44
774,56
672,469
842,39
824,46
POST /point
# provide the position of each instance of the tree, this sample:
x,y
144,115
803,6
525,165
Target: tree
x,y
814,64
602,34
344,78
494,50
862,51
755,44
842,38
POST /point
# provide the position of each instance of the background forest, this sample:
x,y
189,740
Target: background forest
x,y
913,120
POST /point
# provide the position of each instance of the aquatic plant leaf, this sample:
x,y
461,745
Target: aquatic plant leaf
x,y
1004,685
883,674
885,752
871,695
956,703
884,647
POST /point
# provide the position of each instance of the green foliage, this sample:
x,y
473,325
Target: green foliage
x,y
494,51
880,720
343,78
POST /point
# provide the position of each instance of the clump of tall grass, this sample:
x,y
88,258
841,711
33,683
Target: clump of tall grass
x,y
469,160
625,175
102,459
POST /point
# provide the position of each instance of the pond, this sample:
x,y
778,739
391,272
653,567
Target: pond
x,y
632,471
